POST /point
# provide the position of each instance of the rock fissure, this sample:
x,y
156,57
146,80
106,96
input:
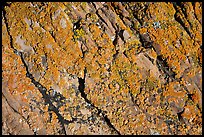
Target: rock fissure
x,y
163,66
84,95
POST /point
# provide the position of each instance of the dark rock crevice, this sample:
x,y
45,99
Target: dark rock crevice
x,y
84,95
163,66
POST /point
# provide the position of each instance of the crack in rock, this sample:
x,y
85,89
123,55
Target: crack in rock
x,y
163,66
179,19
84,95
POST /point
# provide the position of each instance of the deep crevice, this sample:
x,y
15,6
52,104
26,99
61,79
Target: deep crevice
x,y
77,25
145,40
163,66
83,94
115,41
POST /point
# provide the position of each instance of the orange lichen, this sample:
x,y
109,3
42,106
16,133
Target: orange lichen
x,y
189,112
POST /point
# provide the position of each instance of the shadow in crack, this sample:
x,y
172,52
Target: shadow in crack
x,y
83,94
48,98
55,96
163,66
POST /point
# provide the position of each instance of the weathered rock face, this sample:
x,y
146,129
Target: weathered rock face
x,y
102,68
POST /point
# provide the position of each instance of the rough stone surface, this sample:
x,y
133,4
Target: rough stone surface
x,y
102,68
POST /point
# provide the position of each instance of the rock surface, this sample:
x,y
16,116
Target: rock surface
x,y
102,68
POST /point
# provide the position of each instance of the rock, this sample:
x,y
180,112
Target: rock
x,y
11,122
157,48
101,68
124,35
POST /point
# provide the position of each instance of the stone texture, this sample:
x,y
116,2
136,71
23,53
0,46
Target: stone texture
x,y
102,68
